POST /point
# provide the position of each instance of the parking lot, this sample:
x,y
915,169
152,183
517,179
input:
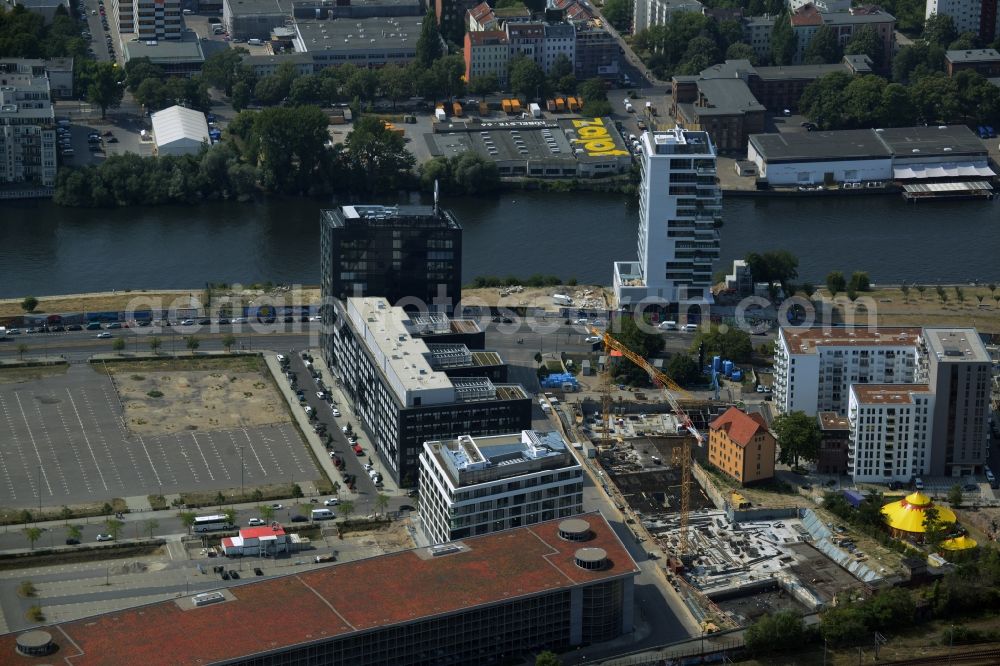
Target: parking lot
x,y
66,443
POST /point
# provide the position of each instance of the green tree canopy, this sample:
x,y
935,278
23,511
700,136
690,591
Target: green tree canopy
x,y
773,266
376,159
784,42
866,42
783,631
527,78
823,48
106,88
940,29
798,436
733,344
221,69
684,370
429,47
835,283
618,13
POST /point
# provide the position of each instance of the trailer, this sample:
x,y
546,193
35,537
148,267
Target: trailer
x,y
536,111
573,103
440,115
560,104
515,106
550,105
506,106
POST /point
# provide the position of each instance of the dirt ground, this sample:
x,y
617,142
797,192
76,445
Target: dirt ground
x,y
892,308
230,395
19,375
588,297
391,540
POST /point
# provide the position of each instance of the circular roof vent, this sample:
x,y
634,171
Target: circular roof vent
x,y
592,559
574,529
35,644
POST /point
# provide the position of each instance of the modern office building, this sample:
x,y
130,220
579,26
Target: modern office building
x,y
476,485
399,391
815,367
741,446
252,19
957,368
680,210
27,128
177,57
487,600
976,16
410,255
890,432
150,20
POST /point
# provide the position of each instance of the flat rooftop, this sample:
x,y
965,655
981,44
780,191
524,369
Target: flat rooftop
x,y
347,34
819,146
166,51
371,215
956,344
887,394
254,7
726,96
678,142
447,356
808,340
505,455
833,421
339,600
973,55
951,140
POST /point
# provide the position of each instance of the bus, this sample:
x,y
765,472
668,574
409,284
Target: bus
x,y
212,523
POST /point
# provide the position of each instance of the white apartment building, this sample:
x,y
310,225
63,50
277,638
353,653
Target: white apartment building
x,y
487,52
476,485
647,13
977,16
814,368
150,20
680,209
560,40
27,127
891,432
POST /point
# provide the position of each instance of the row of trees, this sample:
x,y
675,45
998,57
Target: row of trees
x,y
468,173
151,87
25,34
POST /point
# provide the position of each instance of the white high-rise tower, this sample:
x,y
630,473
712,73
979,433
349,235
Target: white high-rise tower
x,y
680,207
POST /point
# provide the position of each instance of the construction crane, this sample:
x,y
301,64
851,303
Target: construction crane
x,y
670,388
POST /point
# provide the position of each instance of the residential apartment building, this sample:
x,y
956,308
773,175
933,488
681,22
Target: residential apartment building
x,y
890,432
560,42
476,485
549,586
815,367
410,255
976,16
398,390
834,445
487,52
526,39
741,446
680,211
647,13
983,61
808,20
481,18
597,52
59,72
824,6
27,127
148,19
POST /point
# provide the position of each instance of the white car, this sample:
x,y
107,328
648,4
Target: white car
x,y
277,507
187,322
104,334
591,339
336,412
280,358
256,522
238,320
321,395
582,321
333,501
344,429
105,537
315,318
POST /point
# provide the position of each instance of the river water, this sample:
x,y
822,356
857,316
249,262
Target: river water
x,y
45,249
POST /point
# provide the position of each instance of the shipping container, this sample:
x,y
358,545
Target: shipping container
x,y
551,105
560,104
506,106
456,110
574,104
536,111
440,115
484,109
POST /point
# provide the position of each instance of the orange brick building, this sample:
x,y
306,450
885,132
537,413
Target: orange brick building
x,y
740,445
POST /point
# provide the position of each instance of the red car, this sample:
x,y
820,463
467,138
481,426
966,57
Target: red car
x,y
358,450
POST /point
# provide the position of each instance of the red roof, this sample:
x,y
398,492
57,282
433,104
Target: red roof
x,y
258,532
480,12
807,15
487,37
332,601
740,426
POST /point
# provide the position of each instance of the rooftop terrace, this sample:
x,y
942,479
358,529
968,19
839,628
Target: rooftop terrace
x,y
809,340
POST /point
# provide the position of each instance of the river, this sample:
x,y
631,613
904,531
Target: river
x,y
45,249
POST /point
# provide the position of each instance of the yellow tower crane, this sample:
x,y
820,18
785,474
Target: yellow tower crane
x,y
670,388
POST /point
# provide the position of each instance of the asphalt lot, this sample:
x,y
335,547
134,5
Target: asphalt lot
x,y
66,444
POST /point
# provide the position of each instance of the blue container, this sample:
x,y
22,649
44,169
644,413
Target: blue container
x,y
716,363
737,375
727,368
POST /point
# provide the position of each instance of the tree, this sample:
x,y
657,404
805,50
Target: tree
x,y
381,503
896,108
266,513
230,514
939,29
154,344
192,343
376,159
905,289
429,47
798,436
151,525
835,283
395,83
866,42
547,658
29,304
32,534
683,369
784,41
642,342
843,625
935,530
742,51
920,290
346,508
228,341
955,495
74,532
106,87
734,344
808,289
860,281
114,527
187,519
527,78
776,266
222,69
118,345
138,70
481,86
960,295
823,48
593,90
779,632
22,349
618,13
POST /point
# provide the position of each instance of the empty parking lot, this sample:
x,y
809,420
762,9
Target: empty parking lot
x,y
65,443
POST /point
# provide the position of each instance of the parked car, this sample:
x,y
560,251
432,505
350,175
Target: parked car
x,y
297,518
256,522
257,571
333,501
104,334
336,412
234,574
104,537
72,542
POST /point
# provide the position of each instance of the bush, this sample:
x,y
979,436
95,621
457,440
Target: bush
x,y
780,632
27,589
35,614
154,394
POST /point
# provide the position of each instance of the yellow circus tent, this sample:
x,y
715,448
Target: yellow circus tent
x,y
907,515
959,543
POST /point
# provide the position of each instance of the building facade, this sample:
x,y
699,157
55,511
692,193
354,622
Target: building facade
x,y
976,16
890,433
411,253
680,209
560,42
487,52
597,52
741,446
398,392
834,443
807,21
647,13
476,485
27,126
252,19
983,61
148,19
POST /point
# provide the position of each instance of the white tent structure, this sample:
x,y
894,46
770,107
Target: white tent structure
x,y
179,131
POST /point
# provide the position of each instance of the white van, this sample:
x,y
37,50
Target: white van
x,y
667,326
322,514
186,12
690,328
254,42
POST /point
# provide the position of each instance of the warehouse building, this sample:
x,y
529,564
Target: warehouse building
x,y
366,42
252,19
182,57
538,148
510,595
179,131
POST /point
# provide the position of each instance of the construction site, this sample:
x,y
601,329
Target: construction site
x,y
730,561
